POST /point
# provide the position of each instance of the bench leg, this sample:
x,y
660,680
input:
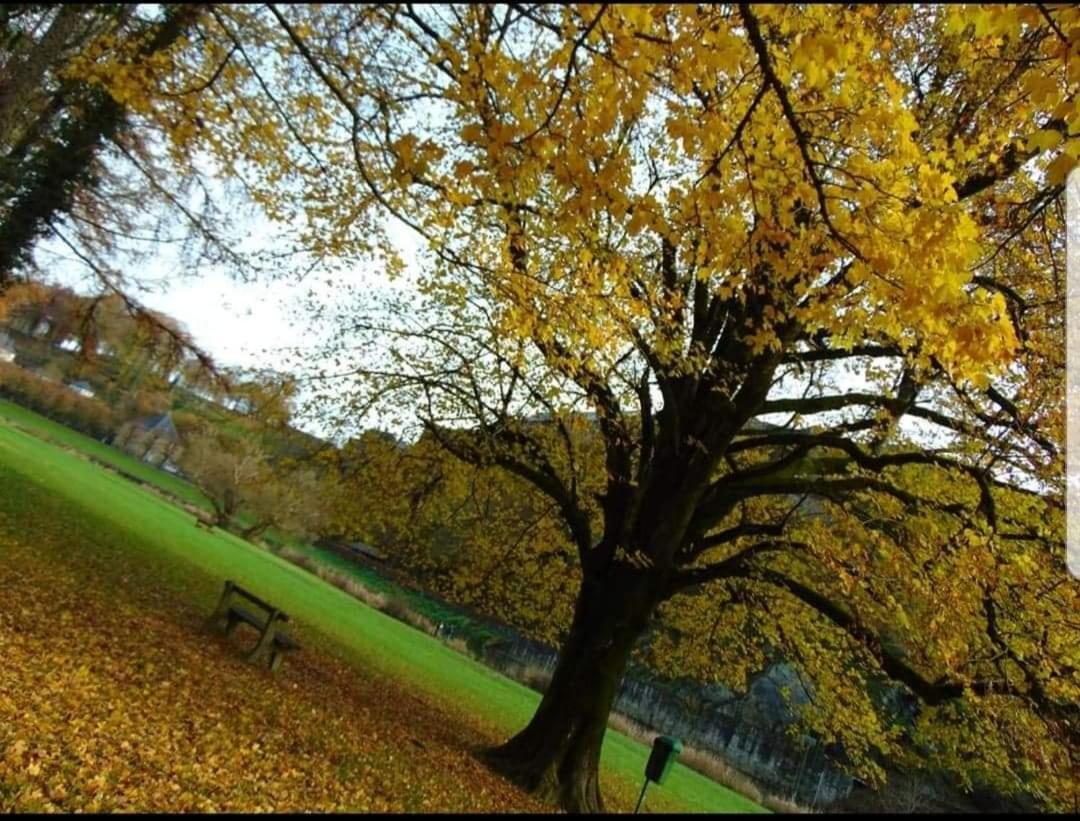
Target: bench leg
x,y
275,660
264,640
231,624
221,609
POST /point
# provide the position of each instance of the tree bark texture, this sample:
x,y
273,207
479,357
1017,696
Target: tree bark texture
x,y
557,755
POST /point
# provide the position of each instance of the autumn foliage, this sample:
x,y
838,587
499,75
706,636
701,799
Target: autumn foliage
x,y
57,401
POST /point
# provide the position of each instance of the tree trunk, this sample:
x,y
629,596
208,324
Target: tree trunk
x,y
255,530
222,510
25,73
557,755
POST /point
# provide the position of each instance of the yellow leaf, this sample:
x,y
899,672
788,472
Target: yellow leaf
x,y
472,133
1043,140
1059,169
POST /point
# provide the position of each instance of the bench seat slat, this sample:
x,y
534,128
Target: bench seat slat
x,y
258,602
283,640
237,590
247,616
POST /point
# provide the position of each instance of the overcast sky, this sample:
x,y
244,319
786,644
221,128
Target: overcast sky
x,y
241,324
256,325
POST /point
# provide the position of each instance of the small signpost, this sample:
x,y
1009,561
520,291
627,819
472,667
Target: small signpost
x,y
665,750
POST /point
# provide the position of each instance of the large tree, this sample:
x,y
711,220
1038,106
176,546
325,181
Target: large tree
x,y
58,128
106,174
673,221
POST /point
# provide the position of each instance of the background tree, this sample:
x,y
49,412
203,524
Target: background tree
x,y
257,471
101,107
480,538
130,353
249,493
57,127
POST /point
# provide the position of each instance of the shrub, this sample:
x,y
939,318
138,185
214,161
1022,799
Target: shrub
x,y
57,401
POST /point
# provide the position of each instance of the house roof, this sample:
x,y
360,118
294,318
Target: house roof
x,y
366,550
160,425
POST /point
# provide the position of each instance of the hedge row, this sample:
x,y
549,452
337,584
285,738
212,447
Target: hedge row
x,y
57,401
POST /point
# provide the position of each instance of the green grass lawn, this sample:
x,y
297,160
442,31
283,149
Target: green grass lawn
x,y
161,535
64,436
114,457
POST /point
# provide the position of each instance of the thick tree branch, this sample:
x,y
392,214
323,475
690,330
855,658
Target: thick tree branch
x,y
503,445
930,692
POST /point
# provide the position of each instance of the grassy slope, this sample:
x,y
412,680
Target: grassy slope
x,y
167,534
179,488
114,457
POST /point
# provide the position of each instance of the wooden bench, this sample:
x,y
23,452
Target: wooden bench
x,y
230,613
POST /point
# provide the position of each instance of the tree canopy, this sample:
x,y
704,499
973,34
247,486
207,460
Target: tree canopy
x,y
766,301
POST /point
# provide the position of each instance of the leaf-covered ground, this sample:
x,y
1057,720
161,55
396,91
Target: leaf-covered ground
x,y
112,699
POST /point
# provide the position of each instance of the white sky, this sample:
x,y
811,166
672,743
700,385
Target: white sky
x,y
241,324
250,325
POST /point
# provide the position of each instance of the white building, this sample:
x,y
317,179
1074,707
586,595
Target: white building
x,y
83,389
7,348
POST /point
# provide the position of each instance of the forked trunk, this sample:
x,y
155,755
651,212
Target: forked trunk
x,y
254,531
557,755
